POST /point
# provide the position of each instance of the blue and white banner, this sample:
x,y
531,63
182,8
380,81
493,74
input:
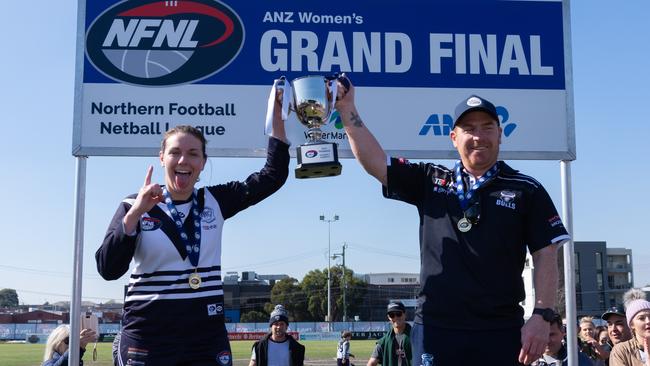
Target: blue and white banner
x,y
147,65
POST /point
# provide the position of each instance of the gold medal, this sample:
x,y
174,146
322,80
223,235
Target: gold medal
x,y
464,225
195,281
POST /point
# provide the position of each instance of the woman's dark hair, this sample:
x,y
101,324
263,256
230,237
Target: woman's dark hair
x,y
188,130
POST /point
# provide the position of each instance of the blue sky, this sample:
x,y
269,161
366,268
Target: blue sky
x,y
283,234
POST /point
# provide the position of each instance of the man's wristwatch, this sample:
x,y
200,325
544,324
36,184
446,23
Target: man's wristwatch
x,y
546,313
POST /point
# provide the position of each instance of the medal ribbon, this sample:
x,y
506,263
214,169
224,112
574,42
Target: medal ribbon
x,y
465,198
192,242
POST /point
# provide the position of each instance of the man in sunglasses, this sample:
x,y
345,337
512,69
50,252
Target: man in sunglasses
x,y
394,348
477,220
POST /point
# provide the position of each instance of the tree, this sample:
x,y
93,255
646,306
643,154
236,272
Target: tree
x,y
254,316
314,286
287,292
354,293
8,297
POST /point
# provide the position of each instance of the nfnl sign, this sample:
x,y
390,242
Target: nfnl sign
x,y
164,42
147,65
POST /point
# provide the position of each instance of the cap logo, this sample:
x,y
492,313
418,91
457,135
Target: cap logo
x,y
474,101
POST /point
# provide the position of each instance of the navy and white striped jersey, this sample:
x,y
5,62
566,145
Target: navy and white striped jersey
x,y
159,303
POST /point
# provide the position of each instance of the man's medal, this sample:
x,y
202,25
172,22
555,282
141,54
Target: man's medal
x,y
464,224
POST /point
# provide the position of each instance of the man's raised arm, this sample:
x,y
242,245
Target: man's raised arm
x,y
364,145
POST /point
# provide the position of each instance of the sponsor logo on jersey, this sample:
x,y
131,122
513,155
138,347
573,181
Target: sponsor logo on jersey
x,y
224,358
207,215
215,309
555,221
159,43
441,185
150,224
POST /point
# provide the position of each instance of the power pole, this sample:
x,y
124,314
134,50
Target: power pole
x,y
345,283
345,287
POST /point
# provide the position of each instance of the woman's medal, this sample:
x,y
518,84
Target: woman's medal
x,y
193,248
195,280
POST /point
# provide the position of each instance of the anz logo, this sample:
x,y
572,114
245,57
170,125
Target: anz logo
x,y
442,124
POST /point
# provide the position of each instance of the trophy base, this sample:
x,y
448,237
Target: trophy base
x,y
317,160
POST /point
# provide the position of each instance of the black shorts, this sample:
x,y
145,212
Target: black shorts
x,y
453,347
138,352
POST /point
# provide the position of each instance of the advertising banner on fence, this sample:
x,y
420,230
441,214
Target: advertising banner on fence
x,y
146,65
253,336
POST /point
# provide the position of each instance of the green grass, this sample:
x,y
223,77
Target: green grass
x,y
323,351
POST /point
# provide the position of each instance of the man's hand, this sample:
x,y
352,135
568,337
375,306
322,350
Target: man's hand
x,y
344,95
534,338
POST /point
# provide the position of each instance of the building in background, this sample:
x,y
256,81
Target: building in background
x,y
250,293
602,276
384,287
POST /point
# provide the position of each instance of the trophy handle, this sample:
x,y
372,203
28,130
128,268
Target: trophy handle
x,y
287,97
332,86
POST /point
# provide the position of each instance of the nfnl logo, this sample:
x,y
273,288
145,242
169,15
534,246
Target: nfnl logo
x,y
442,124
157,43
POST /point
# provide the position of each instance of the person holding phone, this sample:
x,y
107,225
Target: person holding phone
x,y
57,346
174,305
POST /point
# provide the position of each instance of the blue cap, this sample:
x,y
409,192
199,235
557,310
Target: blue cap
x,y
475,103
614,310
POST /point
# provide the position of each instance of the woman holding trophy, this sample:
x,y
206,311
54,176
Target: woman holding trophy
x,y
174,306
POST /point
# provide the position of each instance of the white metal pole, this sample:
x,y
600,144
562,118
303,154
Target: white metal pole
x,y
78,251
329,290
569,275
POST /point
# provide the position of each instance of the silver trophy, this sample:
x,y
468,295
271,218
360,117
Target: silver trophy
x,y
313,101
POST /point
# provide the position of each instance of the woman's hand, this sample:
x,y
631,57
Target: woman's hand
x,y
148,196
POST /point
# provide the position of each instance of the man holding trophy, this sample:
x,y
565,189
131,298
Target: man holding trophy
x,y
472,249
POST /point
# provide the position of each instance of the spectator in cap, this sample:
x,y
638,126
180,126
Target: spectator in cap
x,y
278,348
617,329
394,348
343,349
634,352
477,220
555,353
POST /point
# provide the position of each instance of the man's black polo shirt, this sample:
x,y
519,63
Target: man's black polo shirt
x,y
473,280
